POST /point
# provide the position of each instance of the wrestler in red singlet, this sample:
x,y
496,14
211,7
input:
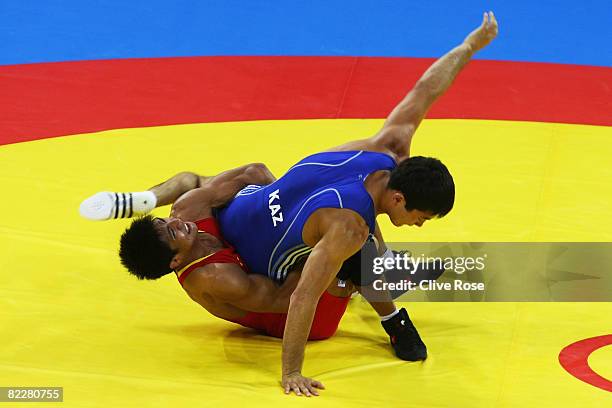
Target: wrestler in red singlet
x,y
330,308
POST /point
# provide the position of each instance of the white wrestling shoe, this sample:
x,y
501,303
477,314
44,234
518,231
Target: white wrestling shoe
x,y
106,205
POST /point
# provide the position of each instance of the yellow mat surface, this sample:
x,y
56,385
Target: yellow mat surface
x,y
71,317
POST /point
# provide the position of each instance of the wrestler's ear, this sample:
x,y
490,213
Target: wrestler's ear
x,y
176,261
398,198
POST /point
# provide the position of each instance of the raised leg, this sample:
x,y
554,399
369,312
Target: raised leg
x,y
107,205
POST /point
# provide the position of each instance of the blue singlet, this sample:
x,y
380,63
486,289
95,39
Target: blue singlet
x,y
264,223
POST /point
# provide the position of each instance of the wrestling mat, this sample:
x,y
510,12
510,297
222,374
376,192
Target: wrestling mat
x,y
73,318
121,95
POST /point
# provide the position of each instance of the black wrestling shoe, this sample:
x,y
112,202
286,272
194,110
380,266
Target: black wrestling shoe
x,y
430,271
404,337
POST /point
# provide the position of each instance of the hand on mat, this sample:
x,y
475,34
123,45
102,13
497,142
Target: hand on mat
x,y
301,385
483,35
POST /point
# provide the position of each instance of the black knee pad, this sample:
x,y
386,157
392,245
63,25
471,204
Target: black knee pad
x,y
359,268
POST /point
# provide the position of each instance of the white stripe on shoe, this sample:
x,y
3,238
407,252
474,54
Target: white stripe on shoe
x,y
107,205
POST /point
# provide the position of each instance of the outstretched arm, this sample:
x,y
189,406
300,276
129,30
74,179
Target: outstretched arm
x,y
341,235
396,134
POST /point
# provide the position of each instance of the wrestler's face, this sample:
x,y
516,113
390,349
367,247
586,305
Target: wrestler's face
x,y
400,216
179,235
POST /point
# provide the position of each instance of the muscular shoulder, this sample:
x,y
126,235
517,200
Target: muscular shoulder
x,y
347,220
340,223
393,140
219,280
379,144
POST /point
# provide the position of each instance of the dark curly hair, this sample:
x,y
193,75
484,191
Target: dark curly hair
x,y
426,184
142,252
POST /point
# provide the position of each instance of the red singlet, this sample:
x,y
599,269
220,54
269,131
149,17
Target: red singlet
x,y
330,309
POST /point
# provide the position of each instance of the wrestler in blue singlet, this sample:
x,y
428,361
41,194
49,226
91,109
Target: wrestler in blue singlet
x,y
264,224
